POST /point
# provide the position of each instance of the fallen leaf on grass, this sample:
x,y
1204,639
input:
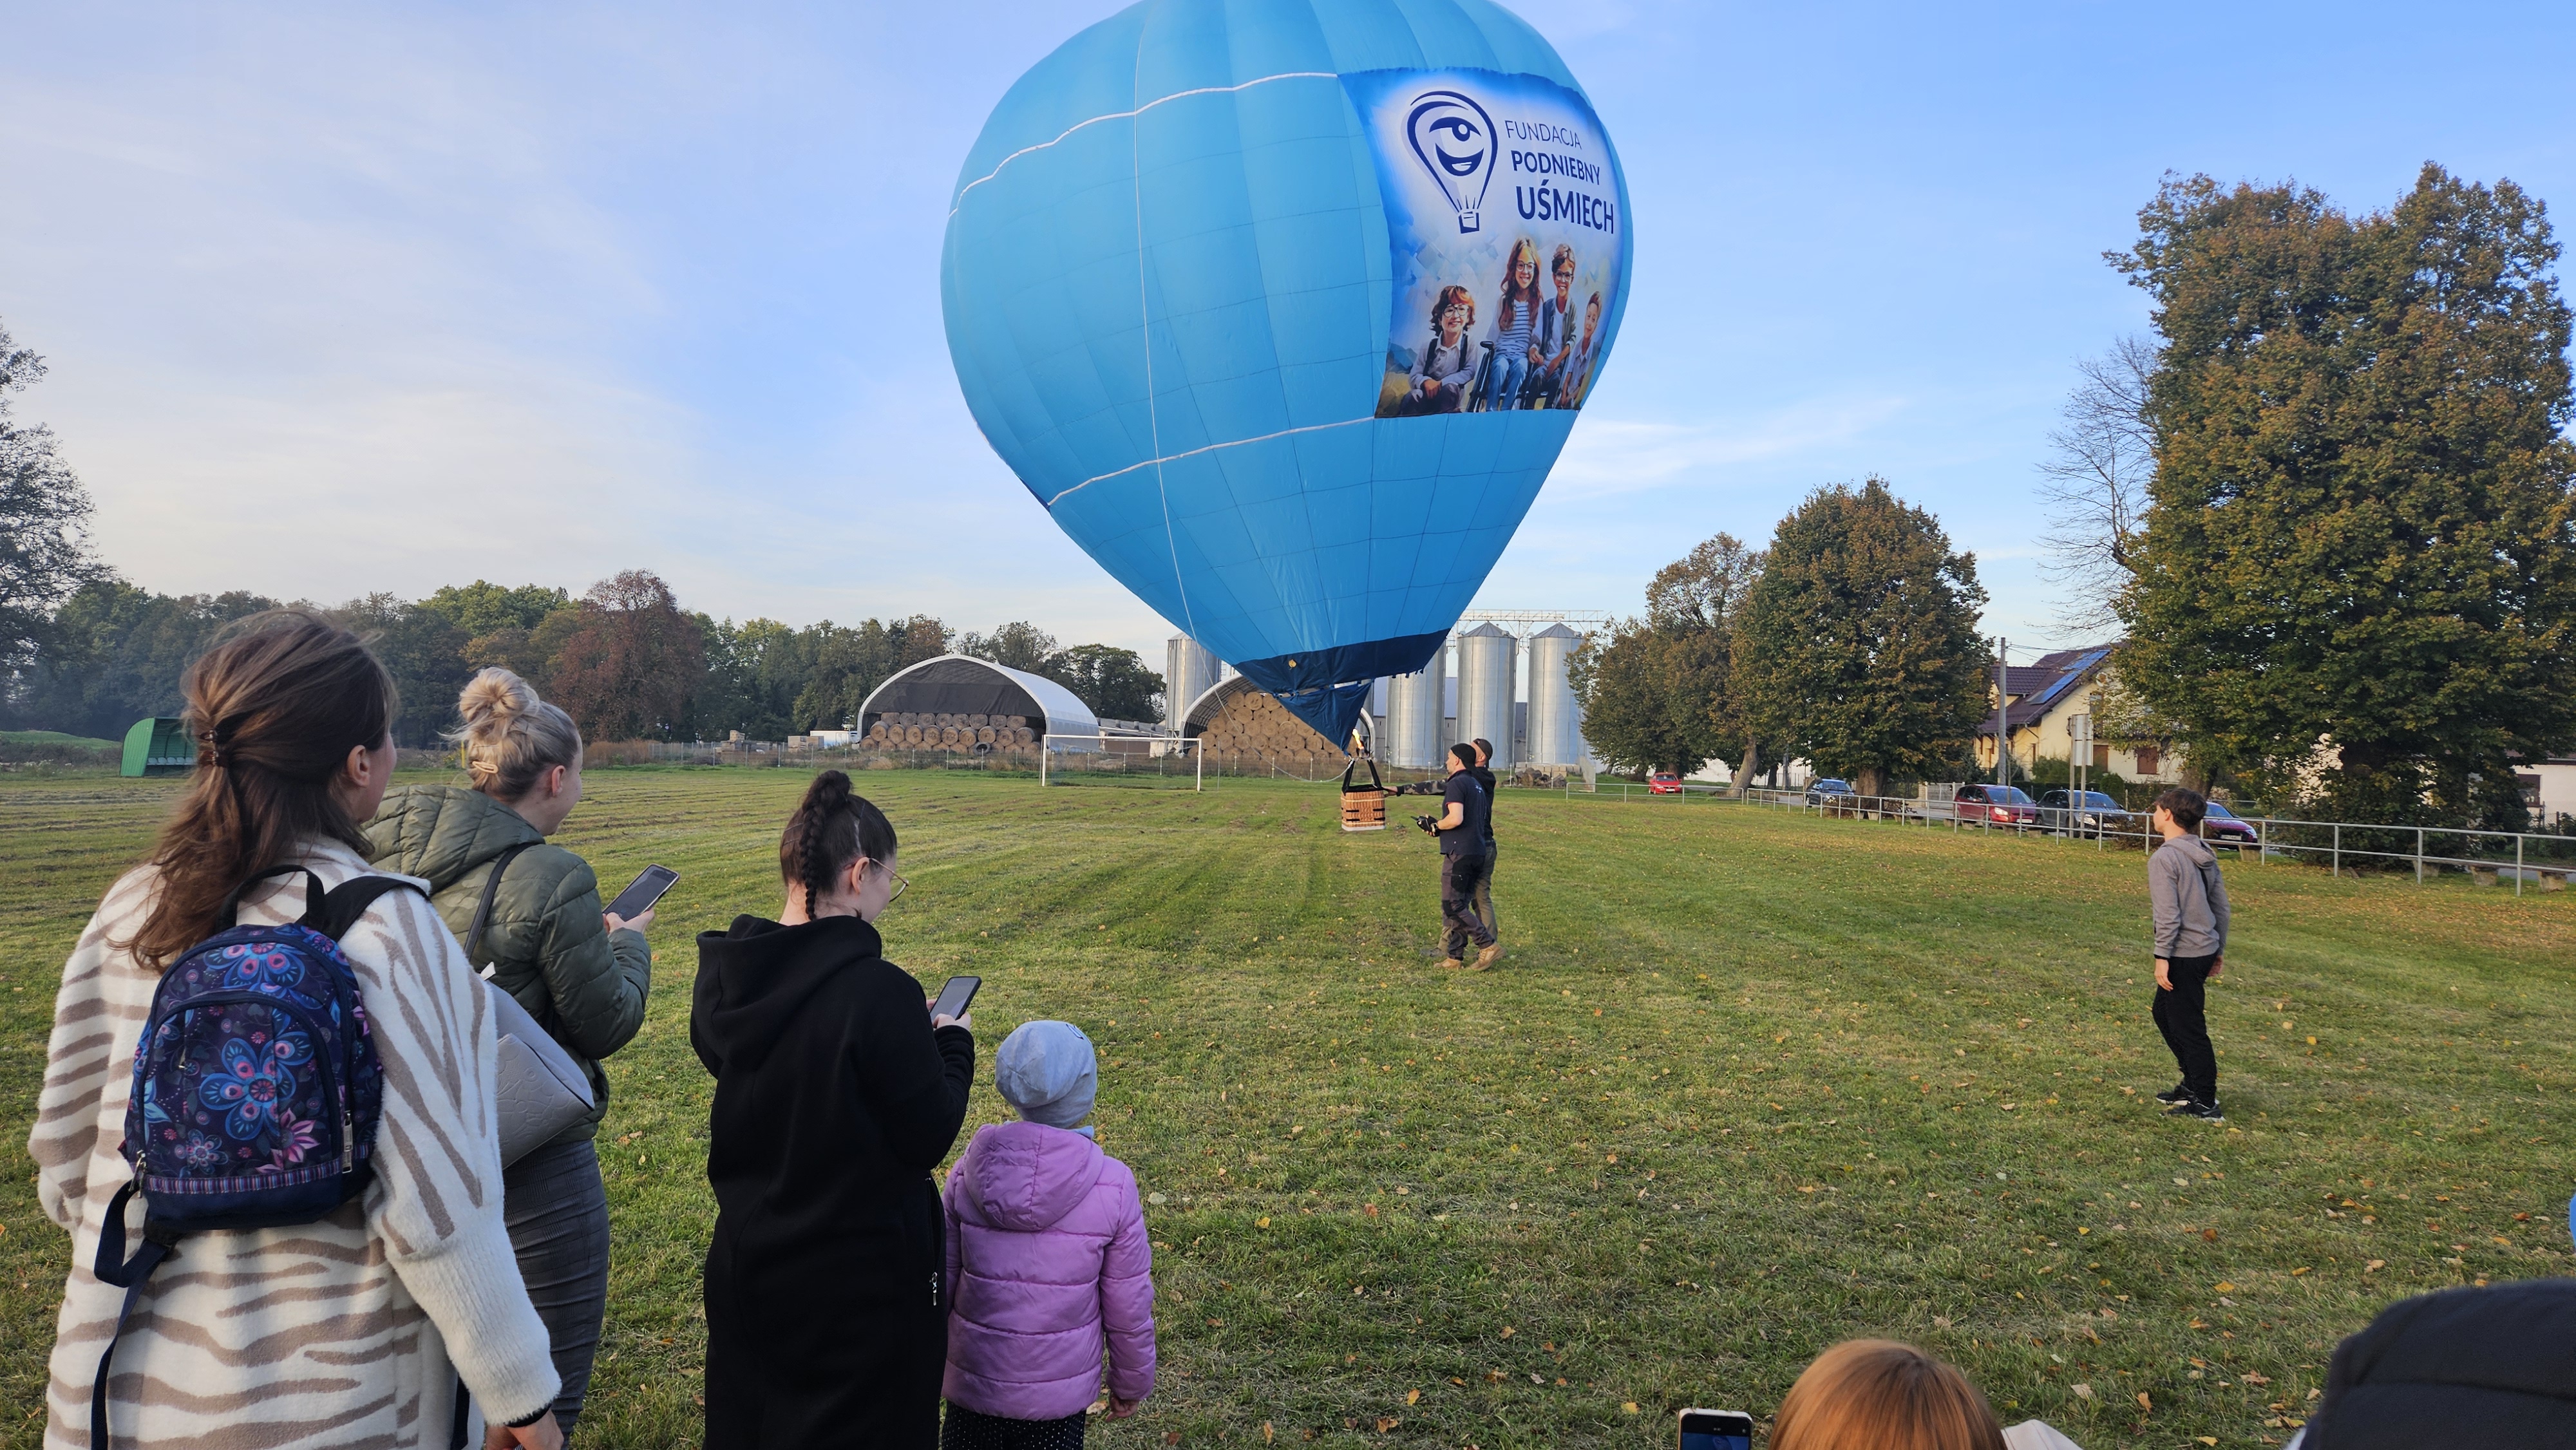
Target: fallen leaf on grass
x,y
1413,1397
2225,1287
1629,1407
1508,1331
1262,1222
2374,1266
2252,1378
2143,1402
2083,1392
1386,1423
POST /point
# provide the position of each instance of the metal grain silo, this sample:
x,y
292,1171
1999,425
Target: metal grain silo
x,y
1416,707
1487,663
1189,667
1555,721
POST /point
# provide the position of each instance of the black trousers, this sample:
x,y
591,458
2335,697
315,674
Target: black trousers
x,y
1485,889
1459,878
2182,1016
973,1430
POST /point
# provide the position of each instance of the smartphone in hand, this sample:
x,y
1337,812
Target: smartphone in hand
x,y
642,892
955,996
1716,1430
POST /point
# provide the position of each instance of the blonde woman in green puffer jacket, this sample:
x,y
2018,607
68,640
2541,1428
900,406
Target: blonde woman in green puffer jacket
x,y
582,974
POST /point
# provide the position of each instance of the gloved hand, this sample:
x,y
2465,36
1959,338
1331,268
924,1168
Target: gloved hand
x,y
1429,824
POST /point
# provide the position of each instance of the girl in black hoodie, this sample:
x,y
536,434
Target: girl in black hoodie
x,y
836,1094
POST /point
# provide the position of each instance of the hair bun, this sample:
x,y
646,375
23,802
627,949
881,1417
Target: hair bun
x,y
493,698
830,791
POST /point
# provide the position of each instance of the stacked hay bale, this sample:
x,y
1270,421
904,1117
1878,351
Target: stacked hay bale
x,y
942,730
1253,727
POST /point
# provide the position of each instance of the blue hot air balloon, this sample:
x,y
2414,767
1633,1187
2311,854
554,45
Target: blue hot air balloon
x,y
1283,309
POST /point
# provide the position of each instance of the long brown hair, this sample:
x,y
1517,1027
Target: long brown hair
x,y
833,826
1877,1394
275,708
1507,315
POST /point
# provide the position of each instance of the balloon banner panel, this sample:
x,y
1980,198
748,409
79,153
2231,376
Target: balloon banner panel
x,y
1503,215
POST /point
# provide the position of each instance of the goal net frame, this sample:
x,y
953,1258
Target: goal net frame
x,y
1157,748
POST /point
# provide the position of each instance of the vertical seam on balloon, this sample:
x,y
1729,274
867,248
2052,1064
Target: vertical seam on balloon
x,y
1157,463
1293,75
1145,310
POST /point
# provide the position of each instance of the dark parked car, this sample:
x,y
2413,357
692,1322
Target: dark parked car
x,y
1828,789
2227,828
2000,805
2085,813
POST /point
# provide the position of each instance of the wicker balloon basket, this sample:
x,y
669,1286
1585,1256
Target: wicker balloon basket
x,y
1364,803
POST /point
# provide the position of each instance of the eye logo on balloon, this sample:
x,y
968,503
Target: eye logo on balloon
x,y
1453,138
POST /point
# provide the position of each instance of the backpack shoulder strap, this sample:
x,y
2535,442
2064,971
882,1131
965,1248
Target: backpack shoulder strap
x,y
313,894
345,903
491,891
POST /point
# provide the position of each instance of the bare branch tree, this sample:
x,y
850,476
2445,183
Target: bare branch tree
x,y
2094,485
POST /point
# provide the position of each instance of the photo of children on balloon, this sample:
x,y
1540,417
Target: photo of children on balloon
x,y
1508,239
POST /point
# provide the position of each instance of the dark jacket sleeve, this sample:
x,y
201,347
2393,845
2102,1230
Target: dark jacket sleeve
x,y
916,1079
596,979
702,1006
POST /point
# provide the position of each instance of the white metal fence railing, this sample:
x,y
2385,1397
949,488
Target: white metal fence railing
x,y
2545,860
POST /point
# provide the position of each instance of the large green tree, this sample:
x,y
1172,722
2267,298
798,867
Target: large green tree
x,y
2361,544
44,526
424,650
1114,682
1858,646
115,653
1655,691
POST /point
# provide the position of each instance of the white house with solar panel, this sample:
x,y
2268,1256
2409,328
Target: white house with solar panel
x,y
2042,703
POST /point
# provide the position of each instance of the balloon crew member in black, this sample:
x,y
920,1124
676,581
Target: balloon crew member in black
x,y
1461,829
836,1095
1485,885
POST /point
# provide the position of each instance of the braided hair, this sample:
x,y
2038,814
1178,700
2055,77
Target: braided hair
x,y
833,826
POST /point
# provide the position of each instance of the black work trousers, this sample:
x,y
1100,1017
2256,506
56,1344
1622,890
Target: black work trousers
x,y
1459,923
2182,1016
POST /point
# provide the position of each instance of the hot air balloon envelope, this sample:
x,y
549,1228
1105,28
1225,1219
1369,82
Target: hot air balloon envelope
x,y
1284,308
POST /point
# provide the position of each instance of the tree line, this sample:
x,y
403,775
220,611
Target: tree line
x,y
624,659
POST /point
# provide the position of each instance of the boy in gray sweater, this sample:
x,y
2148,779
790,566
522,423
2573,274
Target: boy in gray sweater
x,y
2190,899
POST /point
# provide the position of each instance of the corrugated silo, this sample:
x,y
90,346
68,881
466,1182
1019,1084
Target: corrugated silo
x,y
1189,667
1415,706
1487,662
1555,721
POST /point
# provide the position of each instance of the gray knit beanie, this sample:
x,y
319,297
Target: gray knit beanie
x,y
1048,1072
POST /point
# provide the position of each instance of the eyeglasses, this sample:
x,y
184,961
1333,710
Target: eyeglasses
x,y
902,883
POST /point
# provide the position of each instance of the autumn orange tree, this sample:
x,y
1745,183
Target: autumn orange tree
x,y
631,665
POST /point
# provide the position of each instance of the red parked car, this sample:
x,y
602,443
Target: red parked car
x,y
2226,827
1663,782
2002,805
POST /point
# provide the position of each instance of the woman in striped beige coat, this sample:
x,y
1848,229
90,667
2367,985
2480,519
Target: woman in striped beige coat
x,y
355,1329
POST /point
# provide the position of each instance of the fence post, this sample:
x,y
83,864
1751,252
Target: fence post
x,y
2419,855
2517,864
2337,871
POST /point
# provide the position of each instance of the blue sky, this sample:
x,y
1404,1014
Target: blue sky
x,y
343,298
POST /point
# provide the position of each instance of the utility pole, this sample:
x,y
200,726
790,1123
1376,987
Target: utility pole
x,y
2003,743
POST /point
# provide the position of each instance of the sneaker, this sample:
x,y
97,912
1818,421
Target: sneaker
x,y
1489,956
2175,1096
2194,1108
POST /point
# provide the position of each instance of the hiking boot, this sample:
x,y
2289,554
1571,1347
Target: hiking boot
x,y
2175,1096
1489,956
2194,1108
1453,963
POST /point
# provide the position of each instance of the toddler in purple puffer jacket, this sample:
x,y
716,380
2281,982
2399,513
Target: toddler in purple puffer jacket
x,y
1047,1260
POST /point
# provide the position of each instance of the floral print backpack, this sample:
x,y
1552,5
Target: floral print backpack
x,y
257,1090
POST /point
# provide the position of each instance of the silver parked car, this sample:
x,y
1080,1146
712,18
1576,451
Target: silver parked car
x,y
2085,813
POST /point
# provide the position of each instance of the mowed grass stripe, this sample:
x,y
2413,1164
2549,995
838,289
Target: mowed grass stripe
x,y
1738,1092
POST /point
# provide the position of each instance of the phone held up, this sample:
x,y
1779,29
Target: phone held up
x,y
954,997
642,892
1716,1430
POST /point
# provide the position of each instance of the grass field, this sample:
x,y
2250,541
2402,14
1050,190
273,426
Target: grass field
x,y
1748,1084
